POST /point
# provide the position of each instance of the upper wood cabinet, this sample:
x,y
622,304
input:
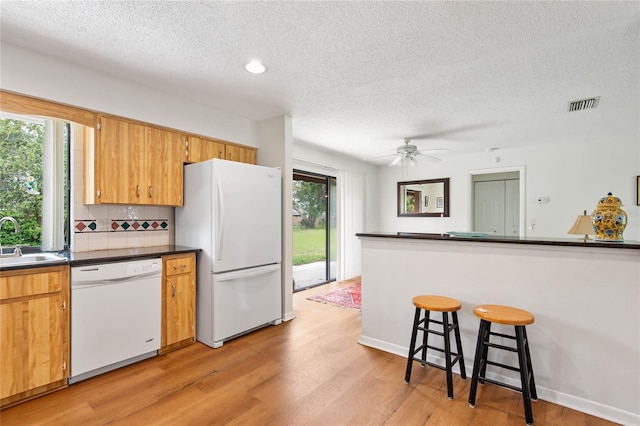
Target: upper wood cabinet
x,y
240,154
163,162
34,342
202,149
130,163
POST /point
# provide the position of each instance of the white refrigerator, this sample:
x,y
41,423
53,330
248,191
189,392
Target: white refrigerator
x,y
232,211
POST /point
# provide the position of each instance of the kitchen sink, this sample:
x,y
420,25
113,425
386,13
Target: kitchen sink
x,y
30,259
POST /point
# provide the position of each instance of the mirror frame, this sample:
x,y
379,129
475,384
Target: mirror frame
x,y
445,213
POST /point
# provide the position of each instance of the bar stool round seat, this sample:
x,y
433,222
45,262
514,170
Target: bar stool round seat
x,y
446,306
519,319
436,303
501,314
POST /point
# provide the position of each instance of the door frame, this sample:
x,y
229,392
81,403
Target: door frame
x,y
328,222
469,193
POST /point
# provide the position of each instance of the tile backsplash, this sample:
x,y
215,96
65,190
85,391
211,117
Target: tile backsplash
x,y
100,227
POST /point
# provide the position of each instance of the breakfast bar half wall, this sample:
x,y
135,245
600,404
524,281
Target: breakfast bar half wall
x,y
585,297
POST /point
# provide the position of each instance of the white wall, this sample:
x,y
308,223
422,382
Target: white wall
x,y
573,175
276,139
41,76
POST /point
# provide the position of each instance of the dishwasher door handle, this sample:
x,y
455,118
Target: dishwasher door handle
x,y
80,283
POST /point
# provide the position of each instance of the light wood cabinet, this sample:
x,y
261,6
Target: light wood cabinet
x,y
178,301
34,332
202,149
240,154
163,164
131,163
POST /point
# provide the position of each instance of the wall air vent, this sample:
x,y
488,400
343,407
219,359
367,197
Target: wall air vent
x,y
583,104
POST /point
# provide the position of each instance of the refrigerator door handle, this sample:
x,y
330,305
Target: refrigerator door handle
x,y
245,273
219,236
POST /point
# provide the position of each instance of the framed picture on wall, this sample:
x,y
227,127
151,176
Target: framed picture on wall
x,y
638,191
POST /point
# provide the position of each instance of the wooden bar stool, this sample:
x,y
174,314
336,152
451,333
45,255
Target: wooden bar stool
x,y
508,316
444,305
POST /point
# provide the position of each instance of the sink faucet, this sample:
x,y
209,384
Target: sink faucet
x,y
16,226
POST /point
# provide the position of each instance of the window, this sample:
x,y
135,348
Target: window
x,y
34,181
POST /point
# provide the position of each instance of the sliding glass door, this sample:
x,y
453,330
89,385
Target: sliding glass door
x,y
314,229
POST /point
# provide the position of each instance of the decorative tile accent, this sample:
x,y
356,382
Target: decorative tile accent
x,y
82,226
122,225
140,225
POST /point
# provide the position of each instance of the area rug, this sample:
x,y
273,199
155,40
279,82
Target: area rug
x,y
346,297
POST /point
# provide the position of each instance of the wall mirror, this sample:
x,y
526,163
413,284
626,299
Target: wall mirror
x,y
424,198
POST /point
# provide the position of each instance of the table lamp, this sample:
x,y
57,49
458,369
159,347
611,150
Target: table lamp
x,y
583,226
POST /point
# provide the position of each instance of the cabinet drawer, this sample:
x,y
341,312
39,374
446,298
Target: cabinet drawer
x,y
31,282
179,265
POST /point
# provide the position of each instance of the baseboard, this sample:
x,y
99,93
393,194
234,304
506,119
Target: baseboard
x,y
592,408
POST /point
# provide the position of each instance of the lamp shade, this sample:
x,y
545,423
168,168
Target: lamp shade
x,y
583,226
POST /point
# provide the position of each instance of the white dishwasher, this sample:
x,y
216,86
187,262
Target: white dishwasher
x,y
115,315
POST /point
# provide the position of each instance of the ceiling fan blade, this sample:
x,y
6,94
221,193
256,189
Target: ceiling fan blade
x,y
430,157
395,162
433,151
378,157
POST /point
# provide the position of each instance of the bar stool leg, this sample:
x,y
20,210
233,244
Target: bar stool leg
x,y
477,362
463,373
524,373
412,345
425,337
485,352
447,354
532,383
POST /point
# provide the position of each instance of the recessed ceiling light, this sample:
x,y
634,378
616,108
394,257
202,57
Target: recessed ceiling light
x,y
255,67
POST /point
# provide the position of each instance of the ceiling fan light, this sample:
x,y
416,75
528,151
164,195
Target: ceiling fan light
x,y
412,162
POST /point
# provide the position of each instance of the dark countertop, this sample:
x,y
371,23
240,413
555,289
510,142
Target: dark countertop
x,y
566,242
105,256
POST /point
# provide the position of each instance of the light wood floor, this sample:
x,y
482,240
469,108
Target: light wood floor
x,y
309,371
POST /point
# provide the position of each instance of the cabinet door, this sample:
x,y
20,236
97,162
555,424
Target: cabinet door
x,y
180,313
119,161
163,167
204,149
34,331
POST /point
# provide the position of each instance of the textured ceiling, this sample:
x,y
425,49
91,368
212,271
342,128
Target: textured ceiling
x,y
357,77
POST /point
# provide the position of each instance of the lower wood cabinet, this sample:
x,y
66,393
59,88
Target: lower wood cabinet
x,y
34,332
178,301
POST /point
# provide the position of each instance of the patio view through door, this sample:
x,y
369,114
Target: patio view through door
x,y
314,229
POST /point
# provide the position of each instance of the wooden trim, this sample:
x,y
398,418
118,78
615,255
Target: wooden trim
x,y
176,345
20,104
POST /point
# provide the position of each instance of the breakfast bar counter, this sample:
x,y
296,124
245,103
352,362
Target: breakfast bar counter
x,y
585,297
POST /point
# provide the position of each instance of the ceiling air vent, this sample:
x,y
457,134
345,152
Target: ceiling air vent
x,y
583,104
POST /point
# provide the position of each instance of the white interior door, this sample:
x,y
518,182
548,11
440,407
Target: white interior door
x,y
489,202
497,207
512,207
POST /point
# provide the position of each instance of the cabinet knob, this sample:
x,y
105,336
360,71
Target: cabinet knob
x,y
137,190
173,290
150,191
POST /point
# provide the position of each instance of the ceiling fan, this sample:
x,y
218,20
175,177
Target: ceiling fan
x,y
406,154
